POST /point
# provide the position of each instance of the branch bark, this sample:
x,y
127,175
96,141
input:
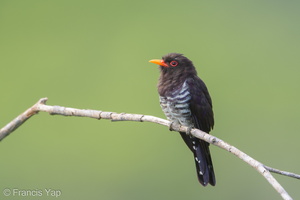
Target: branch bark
x,y
65,111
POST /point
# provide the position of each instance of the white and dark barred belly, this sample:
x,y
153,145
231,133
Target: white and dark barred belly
x,y
176,106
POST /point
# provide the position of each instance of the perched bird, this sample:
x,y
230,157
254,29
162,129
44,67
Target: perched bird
x,y
184,99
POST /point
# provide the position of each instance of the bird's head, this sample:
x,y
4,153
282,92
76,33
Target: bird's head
x,y
174,63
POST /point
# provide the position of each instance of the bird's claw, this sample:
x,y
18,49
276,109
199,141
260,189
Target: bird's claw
x,y
188,131
170,126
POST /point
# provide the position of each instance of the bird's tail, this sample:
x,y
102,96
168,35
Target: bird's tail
x,y
204,166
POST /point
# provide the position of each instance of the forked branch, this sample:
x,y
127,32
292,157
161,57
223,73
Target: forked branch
x,y
59,110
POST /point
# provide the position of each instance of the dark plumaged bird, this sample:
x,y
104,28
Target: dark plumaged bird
x,y
184,99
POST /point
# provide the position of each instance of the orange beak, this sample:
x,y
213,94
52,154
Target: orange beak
x,y
159,62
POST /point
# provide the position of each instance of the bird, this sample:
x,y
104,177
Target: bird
x,y
185,100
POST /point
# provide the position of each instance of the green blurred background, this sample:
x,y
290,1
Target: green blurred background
x,y
94,54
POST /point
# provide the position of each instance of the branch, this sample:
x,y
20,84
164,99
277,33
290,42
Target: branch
x,y
65,111
285,173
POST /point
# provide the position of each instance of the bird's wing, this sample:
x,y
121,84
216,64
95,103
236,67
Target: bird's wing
x,y
203,118
200,105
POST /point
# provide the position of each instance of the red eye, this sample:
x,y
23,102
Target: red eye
x,y
173,63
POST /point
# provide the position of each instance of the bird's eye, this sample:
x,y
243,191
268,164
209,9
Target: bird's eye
x,y
173,63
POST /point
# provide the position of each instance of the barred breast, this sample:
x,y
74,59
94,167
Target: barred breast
x,y
176,106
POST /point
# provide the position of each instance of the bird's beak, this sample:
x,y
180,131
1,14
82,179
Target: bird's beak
x,y
159,62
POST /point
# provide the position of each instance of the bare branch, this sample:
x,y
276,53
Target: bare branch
x,y
285,173
18,121
65,111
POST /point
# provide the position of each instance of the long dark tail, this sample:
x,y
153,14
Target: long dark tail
x,y
204,166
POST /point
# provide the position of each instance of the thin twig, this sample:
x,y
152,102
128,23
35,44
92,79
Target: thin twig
x,y
18,121
285,173
65,111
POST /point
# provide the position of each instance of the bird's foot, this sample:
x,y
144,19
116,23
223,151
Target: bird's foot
x,y
170,126
188,131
